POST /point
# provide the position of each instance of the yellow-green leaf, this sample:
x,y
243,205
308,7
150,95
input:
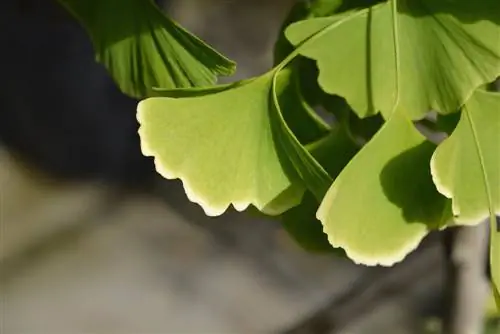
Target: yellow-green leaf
x,y
384,202
466,166
408,55
220,144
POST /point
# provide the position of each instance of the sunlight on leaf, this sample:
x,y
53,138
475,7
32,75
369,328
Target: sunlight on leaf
x,y
380,59
466,166
220,145
384,202
142,48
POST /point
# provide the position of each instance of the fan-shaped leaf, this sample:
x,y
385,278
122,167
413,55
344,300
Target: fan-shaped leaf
x,y
411,55
142,48
220,145
466,166
384,202
230,144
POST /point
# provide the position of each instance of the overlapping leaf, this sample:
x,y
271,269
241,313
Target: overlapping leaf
x,y
219,143
384,202
141,48
231,145
466,166
405,54
333,152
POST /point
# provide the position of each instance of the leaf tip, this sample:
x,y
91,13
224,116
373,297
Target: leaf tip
x,y
435,174
372,259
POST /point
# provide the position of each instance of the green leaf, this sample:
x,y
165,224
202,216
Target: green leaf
x,y
302,120
466,166
384,202
405,54
301,224
301,11
312,174
333,152
362,129
142,48
230,144
220,144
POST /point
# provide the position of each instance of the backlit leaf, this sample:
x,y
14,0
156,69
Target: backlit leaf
x,y
466,166
220,144
408,55
142,48
231,144
384,202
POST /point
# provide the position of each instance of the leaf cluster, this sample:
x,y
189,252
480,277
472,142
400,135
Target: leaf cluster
x,y
393,75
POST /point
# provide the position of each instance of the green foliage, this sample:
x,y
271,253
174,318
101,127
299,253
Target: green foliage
x,y
405,54
370,185
466,166
142,48
374,210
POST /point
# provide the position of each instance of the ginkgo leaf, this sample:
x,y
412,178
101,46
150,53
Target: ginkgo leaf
x,y
405,54
466,166
384,201
142,48
333,152
231,144
298,115
312,174
220,144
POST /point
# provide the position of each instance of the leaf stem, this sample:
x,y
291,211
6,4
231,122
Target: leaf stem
x,y
395,39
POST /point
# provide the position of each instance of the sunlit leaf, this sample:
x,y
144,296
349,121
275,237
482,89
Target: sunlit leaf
x,y
384,202
142,48
231,144
408,55
220,144
466,166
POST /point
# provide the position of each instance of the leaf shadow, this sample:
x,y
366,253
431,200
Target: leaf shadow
x,y
407,183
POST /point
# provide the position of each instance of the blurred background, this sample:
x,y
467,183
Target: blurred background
x,y
93,241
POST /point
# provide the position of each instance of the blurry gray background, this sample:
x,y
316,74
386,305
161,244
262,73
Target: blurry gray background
x,y
84,249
